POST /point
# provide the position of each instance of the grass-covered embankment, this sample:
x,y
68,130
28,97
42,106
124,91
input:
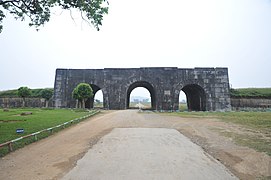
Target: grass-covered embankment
x,y
35,93
251,92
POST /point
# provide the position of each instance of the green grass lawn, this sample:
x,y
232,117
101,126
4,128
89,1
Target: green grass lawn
x,y
258,122
39,120
183,107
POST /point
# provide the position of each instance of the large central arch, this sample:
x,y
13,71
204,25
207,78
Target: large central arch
x,y
146,85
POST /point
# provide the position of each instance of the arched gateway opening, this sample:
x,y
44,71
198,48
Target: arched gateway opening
x,y
182,102
195,97
95,101
143,84
98,99
140,98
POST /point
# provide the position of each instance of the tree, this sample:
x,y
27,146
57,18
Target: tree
x,y
76,96
46,94
24,92
39,11
82,92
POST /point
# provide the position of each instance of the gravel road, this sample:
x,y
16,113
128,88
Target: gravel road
x,y
147,153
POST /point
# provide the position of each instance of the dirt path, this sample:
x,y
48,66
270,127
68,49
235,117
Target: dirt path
x,y
53,157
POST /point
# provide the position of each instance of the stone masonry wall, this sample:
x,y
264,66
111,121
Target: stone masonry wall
x,y
250,102
18,102
207,88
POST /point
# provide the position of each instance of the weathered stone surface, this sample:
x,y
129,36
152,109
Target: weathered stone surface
x,y
18,102
205,88
250,102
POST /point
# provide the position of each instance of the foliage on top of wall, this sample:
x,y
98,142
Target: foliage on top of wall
x,y
35,93
251,92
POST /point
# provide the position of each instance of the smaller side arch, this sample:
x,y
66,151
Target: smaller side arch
x,y
90,102
195,97
146,85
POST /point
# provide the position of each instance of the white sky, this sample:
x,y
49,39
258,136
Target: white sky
x,y
144,33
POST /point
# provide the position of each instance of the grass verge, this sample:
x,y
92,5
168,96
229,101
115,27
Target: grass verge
x,y
258,122
39,119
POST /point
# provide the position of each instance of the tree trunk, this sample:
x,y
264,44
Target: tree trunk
x,y
83,103
23,105
80,104
76,105
46,103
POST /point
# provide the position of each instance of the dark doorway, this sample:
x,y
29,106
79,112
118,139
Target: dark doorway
x,y
195,97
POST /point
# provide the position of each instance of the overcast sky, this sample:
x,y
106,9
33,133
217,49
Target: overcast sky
x,y
144,33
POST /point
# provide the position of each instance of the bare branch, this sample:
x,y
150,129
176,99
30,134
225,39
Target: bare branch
x,y
9,1
72,16
82,16
28,7
15,5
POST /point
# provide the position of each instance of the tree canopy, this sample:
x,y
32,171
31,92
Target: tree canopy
x,y
24,92
82,92
39,11
75,94
46,94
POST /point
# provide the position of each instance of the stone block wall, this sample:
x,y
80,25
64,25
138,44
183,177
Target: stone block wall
x,y
18,102
250,102
207,89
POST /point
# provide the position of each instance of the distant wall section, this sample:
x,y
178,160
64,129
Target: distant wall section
x,y
237,103
18,102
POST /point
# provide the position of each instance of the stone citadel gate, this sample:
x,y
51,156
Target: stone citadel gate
x,y
206,89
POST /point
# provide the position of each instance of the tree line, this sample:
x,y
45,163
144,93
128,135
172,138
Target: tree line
x,y
25,92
